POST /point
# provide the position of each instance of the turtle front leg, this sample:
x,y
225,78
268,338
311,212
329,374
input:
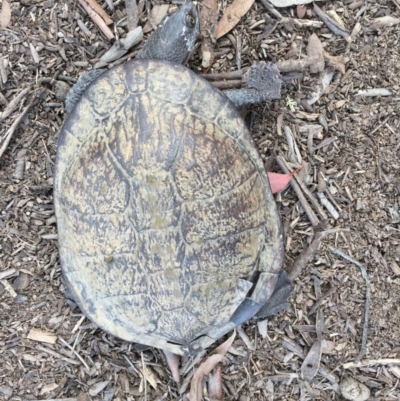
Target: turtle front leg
x,y
77,90
262,82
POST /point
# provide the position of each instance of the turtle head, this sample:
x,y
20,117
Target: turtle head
x,y
174,38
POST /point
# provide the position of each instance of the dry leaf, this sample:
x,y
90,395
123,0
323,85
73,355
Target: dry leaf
x,y
311,362
42,336
232,16
98,387
206,367
5,14
215,385
279,182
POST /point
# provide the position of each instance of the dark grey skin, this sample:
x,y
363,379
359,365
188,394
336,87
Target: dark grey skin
x,y
173,41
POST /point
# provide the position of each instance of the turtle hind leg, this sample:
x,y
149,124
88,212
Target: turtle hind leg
x,y
77,90
262,82
279,299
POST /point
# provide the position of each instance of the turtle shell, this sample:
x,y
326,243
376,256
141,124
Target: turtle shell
x,y
166,221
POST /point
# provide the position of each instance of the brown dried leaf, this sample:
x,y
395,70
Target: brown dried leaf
x,y
5,14
206,367
232,16
310,365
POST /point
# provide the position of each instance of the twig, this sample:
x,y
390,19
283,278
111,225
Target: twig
x,y
330,23
296,65
132,14
328,205
306,206
77,355
367,300
97,19
231,84
374,92
57,355
245,338
144,377
223,75
311,197
14,104
271,9
98,9
12,129
7,273
368,362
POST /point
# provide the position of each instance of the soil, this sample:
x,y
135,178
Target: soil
x,y
49,350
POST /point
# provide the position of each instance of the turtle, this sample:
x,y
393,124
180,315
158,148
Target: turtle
x,y
169,235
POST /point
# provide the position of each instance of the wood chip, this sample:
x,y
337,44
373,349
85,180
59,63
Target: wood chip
x,y
42,336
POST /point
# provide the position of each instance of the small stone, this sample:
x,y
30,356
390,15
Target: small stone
x,y
61,89
353,390
19,299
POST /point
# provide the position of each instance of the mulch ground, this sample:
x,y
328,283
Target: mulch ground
x,y
352,157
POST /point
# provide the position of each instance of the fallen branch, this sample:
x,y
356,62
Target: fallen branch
x,y
367,300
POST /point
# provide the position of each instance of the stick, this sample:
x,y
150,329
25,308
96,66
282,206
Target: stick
x,y
367,301
328,205
98,9
12,129
14,104
232,84
97,20
330,23
306,206
368,362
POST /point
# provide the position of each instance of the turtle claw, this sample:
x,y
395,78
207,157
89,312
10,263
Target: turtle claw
x,y
262,82
265,79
